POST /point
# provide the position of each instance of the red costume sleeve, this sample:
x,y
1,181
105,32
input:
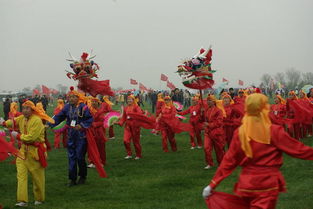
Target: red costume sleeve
x,y
291,146
231,160
185,112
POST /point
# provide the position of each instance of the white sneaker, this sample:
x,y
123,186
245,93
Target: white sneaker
x,y
91,166
128,157
38,202
112,138
207,167
21,204
199,147
137,158
192,147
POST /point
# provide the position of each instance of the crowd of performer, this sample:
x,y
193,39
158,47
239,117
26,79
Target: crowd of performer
x,y
213,124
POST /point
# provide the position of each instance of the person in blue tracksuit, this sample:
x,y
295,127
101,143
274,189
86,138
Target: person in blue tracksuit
x,y
78,119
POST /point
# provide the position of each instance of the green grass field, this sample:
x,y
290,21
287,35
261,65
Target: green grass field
x,y
158,181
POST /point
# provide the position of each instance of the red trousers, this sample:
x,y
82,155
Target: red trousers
x,y
57,139
262,202
111,132
132,133
295,131
213,141
197,132
229,132
168,135
101,149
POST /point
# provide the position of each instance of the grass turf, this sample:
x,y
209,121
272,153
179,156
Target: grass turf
x,y
157,181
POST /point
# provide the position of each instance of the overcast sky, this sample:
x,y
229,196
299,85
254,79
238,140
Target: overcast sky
x,y
141,39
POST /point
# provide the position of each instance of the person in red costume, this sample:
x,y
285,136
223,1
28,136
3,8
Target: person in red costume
x,y
195,121
13,114
278,111
214,134
107,105
57,135
169,124
232,119
131,130
306,127
241,97
97,111
294,128
257,146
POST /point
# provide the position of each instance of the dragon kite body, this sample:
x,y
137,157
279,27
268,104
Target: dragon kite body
x,y
85,70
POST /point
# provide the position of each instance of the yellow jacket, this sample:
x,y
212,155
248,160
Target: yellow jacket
x,y
32,130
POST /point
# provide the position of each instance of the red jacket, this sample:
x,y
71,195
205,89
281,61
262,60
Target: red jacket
x,y
195,113
97,125
126,118
233,116
159,106
260,174
214,118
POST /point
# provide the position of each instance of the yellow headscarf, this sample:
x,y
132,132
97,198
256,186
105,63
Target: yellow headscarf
x,y
226,95
255,123
13,108
293,93
60,104
135,100
106,100
282,101
160,97
218,103
81,97
91,108
305,96
39,111
168,105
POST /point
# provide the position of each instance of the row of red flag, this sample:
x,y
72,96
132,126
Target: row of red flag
x,y
144,88
240,82
45,90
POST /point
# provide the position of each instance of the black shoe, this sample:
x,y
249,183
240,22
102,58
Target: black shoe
x,y
81,180
72,183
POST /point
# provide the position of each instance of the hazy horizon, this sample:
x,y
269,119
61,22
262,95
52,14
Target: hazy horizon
x,y
140,39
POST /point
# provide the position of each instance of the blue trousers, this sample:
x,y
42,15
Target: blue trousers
x,y
76,151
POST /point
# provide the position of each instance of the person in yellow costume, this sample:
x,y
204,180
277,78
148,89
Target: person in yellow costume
x,y
32,152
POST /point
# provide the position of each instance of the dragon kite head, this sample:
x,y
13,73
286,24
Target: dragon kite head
x,y
84,67
196,73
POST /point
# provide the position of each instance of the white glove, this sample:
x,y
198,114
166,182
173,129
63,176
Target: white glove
x,y
206,192
1,121
14,134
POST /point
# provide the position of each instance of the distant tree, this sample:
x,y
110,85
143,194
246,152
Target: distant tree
x,y
280,77
266,80
307,78
293,78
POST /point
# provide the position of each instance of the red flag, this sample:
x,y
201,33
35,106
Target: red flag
x,y
45,90
225,80
36,92
164,77
142,87
133,82
170,85
54,91
240,82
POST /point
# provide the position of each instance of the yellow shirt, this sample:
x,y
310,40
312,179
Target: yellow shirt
x,y
32,130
